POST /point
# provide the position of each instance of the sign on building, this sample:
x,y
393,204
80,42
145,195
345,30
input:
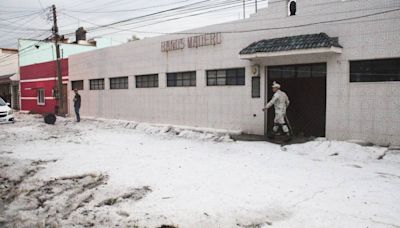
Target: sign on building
x,y
208,39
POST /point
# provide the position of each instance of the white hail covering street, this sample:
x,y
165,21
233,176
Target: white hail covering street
x,y
105,173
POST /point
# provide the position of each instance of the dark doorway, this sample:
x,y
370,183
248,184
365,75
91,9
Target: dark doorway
x,y
305,85
5,92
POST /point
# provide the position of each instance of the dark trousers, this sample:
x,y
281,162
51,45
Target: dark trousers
x,y
78,117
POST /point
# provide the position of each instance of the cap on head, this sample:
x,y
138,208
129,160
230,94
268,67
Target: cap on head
x,y
276,85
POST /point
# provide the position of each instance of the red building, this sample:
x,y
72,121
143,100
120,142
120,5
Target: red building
x,y
39,84
38,70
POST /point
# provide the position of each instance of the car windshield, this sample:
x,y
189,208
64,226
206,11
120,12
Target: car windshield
x,y
2,102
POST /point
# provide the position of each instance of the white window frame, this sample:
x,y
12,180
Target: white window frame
x,y
39,100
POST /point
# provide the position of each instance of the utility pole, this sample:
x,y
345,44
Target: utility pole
x,y
256,5
59,76
244,9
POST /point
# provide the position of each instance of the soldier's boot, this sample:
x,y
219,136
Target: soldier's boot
x,y
287,133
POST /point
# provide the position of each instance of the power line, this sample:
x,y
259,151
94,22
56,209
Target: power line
x,y
159,33
13,29
214,8
25,49
181,7
125,10
161,15
113,2
20,16
17,11
171,19
40,3
284,27
278,28
130,10
16,28
149,16
160,12
141,17
157,12
18,7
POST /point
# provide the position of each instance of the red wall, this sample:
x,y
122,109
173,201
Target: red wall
x,y
29,89
43,70
31,105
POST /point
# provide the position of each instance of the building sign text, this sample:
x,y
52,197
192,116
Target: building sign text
x,y
208,39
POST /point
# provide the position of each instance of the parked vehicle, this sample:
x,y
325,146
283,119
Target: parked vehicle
x,y
6,113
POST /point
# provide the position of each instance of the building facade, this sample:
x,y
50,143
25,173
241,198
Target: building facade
x,y
337,60
38,72
39,85
9,76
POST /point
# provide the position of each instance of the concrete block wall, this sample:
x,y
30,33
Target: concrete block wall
x,y
366,111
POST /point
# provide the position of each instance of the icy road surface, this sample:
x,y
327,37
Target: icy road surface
x,y
108,174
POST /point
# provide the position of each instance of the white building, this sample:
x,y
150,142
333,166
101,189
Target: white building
x,y
9,76
339,62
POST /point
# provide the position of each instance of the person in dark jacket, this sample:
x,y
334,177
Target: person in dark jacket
x,y
77,105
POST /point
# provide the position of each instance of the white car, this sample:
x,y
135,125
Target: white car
x,y
6,113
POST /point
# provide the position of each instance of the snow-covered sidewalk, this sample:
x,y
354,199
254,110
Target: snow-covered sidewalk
x,y
105,173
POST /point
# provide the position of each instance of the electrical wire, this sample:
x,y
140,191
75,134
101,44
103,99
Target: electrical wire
x,y
125,10
199,6
166,20
159,16
159,12
25,49
281,27
16,28
135,22
151,15
137,9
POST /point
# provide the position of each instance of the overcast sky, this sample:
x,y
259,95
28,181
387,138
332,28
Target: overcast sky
x,y
29,18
